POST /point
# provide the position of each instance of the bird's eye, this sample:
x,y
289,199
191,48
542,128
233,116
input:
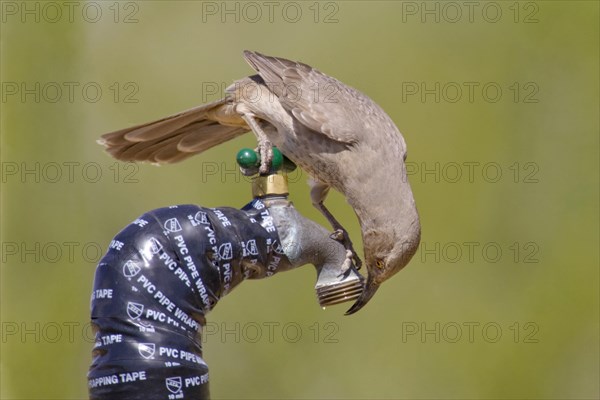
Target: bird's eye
x,y
379,264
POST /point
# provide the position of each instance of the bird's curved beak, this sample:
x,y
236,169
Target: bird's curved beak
x,y
369,290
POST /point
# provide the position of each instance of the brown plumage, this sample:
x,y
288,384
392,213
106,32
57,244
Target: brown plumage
x,y
334,132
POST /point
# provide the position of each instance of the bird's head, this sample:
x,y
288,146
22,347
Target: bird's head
x,y
386,252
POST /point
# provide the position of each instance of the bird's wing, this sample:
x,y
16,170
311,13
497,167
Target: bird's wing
x,y
173,138
318,101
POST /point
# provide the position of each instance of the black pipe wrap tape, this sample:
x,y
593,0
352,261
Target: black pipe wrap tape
x,y
152,289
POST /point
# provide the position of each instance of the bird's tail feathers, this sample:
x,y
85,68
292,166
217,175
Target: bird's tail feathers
x,y
176,137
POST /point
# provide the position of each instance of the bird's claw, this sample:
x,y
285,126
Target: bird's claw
x,y
347,262
342,236
265,150
357,260
338,235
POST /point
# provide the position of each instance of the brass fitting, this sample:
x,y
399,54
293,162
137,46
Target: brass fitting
x,y
269,185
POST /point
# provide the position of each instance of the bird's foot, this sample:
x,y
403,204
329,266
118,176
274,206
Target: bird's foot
x,y
342,236
338,235
265,150
348,261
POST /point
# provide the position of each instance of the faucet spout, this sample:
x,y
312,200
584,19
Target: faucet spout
x,y
334,287
306,242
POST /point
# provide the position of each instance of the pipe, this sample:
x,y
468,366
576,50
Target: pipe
x,y
167,269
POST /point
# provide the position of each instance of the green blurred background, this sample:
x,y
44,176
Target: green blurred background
x,y
501,300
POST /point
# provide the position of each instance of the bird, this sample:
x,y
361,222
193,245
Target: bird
x,y
335,133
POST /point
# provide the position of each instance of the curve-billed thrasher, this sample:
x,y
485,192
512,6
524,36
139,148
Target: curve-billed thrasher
x,y
335,133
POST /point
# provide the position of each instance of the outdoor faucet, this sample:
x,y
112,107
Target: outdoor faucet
x,y
167,269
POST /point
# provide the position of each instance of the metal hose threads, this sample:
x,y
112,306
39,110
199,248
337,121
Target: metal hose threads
x,y
347,288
